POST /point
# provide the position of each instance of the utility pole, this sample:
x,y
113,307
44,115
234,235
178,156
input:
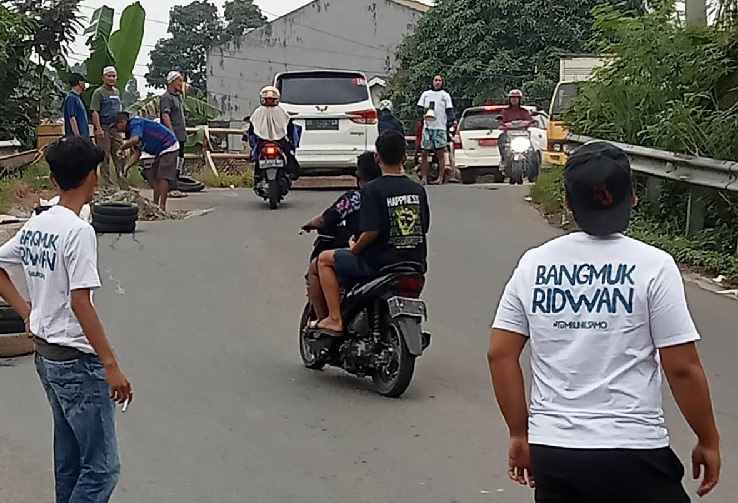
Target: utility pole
x,y
695,11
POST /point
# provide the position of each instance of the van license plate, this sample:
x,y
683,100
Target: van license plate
x,y
321,124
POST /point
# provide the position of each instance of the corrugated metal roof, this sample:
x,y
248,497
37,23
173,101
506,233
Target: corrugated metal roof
x,y
413,4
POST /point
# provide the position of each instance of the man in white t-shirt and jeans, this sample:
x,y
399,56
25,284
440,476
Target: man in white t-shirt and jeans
x,y
604,314
75,362
437,110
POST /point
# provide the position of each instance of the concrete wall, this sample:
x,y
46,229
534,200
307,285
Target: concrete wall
x,y
359,35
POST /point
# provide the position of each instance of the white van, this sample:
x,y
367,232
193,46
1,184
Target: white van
x,y
337,116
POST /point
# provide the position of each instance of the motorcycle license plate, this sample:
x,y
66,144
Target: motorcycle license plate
x,y
271,163
488,142
401,306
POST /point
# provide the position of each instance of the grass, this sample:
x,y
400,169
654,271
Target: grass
x,y
226,180
548,195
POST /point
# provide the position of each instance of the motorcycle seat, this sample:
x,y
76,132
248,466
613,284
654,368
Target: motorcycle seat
x,y
401,267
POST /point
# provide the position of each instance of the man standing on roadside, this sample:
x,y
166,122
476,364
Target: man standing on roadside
x,y
75,361
105,106
437,111
75,112
172,113
604,314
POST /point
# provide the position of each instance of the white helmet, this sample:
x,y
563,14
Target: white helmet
x,y
385,105
269,96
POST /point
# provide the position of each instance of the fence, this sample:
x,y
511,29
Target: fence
x,y
701,173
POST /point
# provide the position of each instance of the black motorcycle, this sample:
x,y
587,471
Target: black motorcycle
x,y
271,180
382,327
522,160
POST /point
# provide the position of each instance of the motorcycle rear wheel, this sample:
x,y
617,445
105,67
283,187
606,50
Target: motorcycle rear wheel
x,y
274,194
394,379
309,359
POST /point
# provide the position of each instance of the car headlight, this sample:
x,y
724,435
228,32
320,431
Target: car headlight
x,y
520,145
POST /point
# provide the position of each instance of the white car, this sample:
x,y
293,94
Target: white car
x,y
337,116
476,141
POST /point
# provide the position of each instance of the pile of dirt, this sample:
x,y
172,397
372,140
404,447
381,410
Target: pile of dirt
x,y
25,198
147,210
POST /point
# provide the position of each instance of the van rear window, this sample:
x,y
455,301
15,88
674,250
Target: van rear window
x,y
324,88
476,120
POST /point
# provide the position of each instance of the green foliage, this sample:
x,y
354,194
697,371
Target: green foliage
x,y
486,47
226,180
195,29
667,86
15,112
55,25
119,48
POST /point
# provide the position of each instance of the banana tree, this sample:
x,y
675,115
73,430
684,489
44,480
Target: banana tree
x,y
107,48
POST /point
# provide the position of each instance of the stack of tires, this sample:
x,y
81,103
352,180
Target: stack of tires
x,y
183,183
13,339
114,218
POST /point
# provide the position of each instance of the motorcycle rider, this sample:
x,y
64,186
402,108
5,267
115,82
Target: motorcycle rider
x,y
514,112
271,123
341,220
387,120
394,221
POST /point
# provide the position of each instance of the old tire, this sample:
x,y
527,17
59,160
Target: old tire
x,y
115,209
121,228
468,176
113,220
187,184
7,313
13,345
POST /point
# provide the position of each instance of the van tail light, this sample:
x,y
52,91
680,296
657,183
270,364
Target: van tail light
x,y
364,116
457,140
410,286
270,151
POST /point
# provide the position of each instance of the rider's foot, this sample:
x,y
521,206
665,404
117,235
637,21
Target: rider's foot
x,y
331,325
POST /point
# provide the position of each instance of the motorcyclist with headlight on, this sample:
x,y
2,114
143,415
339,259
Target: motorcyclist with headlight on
x,y
515,112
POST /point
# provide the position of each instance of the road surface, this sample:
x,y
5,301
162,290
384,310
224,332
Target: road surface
x,y
203,314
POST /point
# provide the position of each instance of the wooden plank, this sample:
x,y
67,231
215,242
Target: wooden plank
x,y
325,182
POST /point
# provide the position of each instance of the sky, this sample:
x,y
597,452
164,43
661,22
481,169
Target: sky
x,y
157,17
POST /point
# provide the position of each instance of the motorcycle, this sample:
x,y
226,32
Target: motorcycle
x,y
382,335
521,155
271,180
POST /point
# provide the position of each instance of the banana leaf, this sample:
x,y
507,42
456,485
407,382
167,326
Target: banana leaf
x,y
196,110
125,43
101,24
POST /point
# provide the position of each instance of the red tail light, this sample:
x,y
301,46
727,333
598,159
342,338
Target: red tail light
x,y
270,150
410,286
457,139
364,116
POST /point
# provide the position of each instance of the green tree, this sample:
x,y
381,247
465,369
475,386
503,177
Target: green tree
x,y
195,29
15,112
483,48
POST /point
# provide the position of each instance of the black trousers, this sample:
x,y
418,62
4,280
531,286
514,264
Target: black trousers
x,y
607,475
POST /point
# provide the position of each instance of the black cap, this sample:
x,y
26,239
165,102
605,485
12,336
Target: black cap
x,y
76,78
599,187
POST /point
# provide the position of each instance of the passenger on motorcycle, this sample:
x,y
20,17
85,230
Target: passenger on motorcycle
x,y
514,112
341,220
271,123
387,120
394,220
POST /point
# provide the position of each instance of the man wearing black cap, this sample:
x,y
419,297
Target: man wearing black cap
x,y
75,112
604,314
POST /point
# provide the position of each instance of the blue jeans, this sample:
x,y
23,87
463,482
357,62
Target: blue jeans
x,y
86,463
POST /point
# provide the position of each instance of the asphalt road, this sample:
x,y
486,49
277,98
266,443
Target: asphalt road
x,y
203,314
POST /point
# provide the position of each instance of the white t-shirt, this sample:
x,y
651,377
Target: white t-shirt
x,y
596,310
58,253
441,102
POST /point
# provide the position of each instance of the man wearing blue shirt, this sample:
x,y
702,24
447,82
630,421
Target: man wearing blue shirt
x,y
157,140
75,113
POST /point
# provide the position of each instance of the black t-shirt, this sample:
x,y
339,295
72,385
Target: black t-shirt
x,y
344,210
397,208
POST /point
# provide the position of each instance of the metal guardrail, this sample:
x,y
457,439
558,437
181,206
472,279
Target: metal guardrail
x,y
700,171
